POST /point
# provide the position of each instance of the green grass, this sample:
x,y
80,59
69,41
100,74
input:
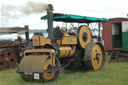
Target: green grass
x,y
111,74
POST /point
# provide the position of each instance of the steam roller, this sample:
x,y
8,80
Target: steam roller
x,y
59,51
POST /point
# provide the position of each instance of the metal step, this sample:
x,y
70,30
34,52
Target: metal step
x,y
114,56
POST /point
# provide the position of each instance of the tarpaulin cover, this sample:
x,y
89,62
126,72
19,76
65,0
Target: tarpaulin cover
x,y
74,18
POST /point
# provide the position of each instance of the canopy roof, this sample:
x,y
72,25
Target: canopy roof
x,y
74,18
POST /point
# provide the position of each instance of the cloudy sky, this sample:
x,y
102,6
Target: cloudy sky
x,y
28,12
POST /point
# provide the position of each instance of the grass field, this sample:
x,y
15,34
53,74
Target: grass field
x,y
111,74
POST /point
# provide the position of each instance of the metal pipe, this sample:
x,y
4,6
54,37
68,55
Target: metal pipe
x,y
50,22
27,34
99,37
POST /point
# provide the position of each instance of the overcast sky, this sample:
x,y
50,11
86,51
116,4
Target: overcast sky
x,y
14,12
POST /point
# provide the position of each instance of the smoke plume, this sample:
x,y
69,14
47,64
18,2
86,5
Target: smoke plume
x,y
10,12
32,7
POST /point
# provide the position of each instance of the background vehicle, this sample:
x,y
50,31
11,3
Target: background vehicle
x,y
11,50
115,33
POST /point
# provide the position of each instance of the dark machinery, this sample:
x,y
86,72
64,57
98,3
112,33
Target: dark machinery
x,y
11,51
43,63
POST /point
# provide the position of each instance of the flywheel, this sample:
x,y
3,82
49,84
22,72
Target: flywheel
x,y
8,58
37,64
84,36
94,56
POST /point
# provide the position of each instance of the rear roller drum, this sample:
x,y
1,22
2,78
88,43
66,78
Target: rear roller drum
x,y
7,58
94,56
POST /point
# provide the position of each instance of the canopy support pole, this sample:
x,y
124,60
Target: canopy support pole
x,y
99,37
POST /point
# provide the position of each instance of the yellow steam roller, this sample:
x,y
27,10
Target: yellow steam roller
x,y
60,50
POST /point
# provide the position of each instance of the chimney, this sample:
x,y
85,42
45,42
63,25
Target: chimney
x,y
50,22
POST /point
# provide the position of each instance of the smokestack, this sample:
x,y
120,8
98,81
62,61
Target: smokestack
x,y
27,34
50,22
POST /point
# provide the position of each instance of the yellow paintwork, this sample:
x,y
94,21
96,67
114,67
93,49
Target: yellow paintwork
x,y
96,49
35,40
66,51
40,40
72,51
82,30
50,51
69,40
58,42
44,41
47,75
